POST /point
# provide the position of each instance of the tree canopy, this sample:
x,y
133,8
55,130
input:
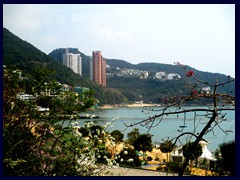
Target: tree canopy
x,y
143,143
118,135
191,151
36,142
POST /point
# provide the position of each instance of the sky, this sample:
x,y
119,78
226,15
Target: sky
x,y
199,35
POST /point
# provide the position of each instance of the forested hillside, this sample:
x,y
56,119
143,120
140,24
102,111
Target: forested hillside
x,y
19,54
149,90
24,56
57,55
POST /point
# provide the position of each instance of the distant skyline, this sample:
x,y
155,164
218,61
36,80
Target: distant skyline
x,y
199,35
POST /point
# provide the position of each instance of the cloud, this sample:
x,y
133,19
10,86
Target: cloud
x,y
22,17
110,35
124,35
50,40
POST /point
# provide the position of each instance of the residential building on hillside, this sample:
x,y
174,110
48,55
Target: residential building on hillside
x,y
164,76
206,90
160,75
73,61
172,76
98,68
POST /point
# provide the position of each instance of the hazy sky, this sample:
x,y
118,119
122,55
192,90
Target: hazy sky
x,y
201,36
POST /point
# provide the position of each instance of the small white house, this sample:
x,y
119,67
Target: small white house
x,y
206,90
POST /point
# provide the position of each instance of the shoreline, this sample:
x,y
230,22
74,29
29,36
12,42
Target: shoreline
x,y
127,105
108,106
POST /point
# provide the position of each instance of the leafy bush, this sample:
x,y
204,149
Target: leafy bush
x,y
35,145
128,157
143,142
118,135
173,166
192,153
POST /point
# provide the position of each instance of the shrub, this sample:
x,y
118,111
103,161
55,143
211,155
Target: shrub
x,y
128,157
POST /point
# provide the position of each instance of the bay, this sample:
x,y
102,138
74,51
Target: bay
x,y
169,127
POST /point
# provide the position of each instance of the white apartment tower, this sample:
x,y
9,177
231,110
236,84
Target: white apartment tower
x,y
73,61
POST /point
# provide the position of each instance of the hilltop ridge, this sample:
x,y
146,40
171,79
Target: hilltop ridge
x,y
120,89
148,89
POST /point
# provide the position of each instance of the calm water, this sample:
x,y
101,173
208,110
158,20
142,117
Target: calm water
x,y
168,127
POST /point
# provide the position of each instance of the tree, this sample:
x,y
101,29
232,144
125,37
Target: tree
x,y
192,152
143,143
215,105
166,147
118,135
132,136
36,143
227,157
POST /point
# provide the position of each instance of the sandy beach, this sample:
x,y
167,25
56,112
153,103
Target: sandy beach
x,y
127,105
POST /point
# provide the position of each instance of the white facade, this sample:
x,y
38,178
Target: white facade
x,y
206,89
73,61
205,152
172,76
164,76
160,75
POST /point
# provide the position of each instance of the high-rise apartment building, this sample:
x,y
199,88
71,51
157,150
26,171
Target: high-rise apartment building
x,y
73,61
98,68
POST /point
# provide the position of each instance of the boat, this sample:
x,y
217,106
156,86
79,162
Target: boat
x,y
182,126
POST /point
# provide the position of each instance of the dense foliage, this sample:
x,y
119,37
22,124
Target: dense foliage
x,y
129,157
193,152
19,54
24,56
34,143
226,159
132,136
118,136
149,90
166,146
143,143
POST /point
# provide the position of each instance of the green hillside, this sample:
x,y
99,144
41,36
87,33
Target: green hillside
x,y
24,56
57,55
19,54
168,68
148,90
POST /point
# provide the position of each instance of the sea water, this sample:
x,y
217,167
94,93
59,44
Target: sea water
x,y
169,127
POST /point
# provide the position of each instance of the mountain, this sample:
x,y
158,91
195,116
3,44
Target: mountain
x,y
148,90
168,68
24,56
57,55
19,54
151,90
